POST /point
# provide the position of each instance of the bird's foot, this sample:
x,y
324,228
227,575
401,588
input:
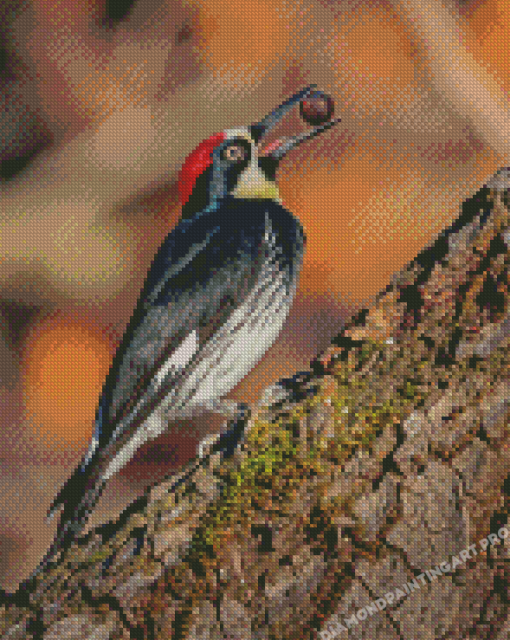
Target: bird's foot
x,y
227,440
293,389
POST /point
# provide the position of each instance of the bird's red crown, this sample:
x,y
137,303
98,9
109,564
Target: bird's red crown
x,y
195,164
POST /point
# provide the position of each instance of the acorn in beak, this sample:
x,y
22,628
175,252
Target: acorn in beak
x,y
316,108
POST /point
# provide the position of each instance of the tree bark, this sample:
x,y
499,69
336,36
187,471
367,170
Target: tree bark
x,y
388,459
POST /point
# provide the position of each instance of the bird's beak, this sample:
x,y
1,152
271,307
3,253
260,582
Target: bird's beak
x,y
278,149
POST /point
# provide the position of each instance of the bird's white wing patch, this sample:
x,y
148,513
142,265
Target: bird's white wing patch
x,y
241,341
94,443
153,425
179,358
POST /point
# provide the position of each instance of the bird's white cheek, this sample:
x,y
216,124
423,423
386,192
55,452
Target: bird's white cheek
x,y
254,184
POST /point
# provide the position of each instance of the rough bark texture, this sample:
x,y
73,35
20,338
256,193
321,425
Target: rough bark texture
x,y
389,459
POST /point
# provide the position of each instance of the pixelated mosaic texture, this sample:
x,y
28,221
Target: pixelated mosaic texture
x,y
95,126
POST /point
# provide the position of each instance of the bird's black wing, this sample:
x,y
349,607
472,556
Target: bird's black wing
x,y
203,272
197,278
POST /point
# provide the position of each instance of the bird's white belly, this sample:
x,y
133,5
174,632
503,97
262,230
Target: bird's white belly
x,y
238,345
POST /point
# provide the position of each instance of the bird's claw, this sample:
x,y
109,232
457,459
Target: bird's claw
x,y
227,441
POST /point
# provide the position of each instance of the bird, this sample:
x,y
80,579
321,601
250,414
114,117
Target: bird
x,y
214,300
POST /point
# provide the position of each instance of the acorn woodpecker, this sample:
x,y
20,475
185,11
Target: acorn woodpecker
x,y
214,300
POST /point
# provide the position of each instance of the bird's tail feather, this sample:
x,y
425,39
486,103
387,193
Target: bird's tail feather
x,y
78,497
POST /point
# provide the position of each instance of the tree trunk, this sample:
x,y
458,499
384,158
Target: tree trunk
x,y
368,499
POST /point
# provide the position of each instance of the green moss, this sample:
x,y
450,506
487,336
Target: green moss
x,y
99,556
276,462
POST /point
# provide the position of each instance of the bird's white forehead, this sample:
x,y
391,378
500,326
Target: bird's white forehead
x,y
239,132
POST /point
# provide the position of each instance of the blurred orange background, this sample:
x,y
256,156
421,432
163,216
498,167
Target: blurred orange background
x,y
108,113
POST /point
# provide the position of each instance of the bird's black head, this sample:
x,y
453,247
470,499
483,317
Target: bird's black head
x,y
235,162
234,169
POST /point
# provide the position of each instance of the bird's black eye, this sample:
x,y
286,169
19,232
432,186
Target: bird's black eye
x,y
234,153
